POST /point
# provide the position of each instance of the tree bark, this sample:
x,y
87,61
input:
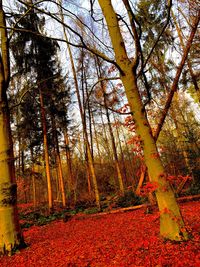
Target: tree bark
x,y
33,179
10,233
58,162
88,150
70,180
46,152
171,223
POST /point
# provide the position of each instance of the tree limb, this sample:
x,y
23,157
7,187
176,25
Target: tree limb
x,y
82,45
178,74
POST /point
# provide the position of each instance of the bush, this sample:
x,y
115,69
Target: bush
x,y
129,199
91,211
193,190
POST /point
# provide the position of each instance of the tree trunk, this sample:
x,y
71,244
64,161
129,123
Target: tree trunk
x,y
10,233
121,152
114,149
33,179
46,153
130,159
96,138
188,61
70,180
119,174
170,219
89,111
90,161
171,223
107,144
59,164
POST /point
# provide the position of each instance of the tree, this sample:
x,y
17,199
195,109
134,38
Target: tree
x,y
106,103
10,233
171,223
40,61
83,121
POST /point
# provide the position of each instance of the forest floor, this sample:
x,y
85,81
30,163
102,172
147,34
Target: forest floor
x,y
120,239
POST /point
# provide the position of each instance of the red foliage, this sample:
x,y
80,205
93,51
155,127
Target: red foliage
x,y
149,187
123,239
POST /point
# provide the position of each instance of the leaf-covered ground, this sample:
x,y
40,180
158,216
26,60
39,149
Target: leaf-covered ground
x,y
122,239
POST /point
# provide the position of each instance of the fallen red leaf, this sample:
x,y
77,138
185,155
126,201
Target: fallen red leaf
x,y
123,239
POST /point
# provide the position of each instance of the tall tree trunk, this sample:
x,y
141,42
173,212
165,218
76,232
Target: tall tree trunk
x,y
58,192
121,152
23,176
33,178
107,144
177,76
10,233
70,180
96,138
130,159
87,146
89,113
183,147
180,35
46,152
59,163
171,223
119,174
88,173
90,160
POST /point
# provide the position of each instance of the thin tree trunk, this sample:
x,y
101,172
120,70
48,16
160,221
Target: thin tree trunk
x,y
96,138
119,174
70,180
33,179
87,146
188,61
141,180
90,161
89,114
133,180
179,136
57,181
88,174
178,74
46,153
121,152
107,144
23,176
59,164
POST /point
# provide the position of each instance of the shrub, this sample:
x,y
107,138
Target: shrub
x,y
129,199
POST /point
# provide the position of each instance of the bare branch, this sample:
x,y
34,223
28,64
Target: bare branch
x,y
99,81
82,45
114,110
178,74
29,90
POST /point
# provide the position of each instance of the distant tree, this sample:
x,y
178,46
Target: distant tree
x,y
36,58
89,159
